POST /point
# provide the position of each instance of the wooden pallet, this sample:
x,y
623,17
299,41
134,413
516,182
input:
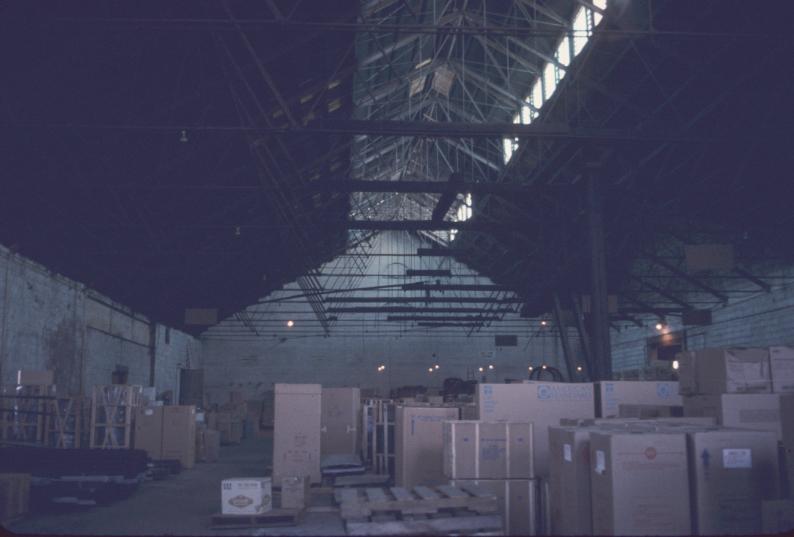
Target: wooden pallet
x,y
358,504
24,413
67,420
273,518
112,409
475,525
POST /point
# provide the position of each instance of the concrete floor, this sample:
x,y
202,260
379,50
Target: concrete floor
x,y
182,504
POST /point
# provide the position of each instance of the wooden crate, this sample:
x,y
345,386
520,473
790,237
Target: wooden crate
x,y
377,436
112,412
24,413
67,422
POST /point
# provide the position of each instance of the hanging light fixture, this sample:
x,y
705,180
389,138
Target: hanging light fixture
x,y
183,136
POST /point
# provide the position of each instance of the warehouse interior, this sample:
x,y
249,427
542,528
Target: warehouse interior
x,y
374,267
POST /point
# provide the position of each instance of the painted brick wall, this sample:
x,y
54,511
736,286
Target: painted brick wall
x,y
48,321
753,319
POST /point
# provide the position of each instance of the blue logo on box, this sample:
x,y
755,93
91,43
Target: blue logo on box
x,y
487,390
544,392
663,391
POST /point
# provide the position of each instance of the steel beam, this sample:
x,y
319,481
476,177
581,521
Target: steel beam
x,y
686,277
442,318
598,280
421,299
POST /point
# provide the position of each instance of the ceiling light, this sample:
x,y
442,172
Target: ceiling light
x,y
543,323
290,323
430,369
675,364
183,136
482,369
659,326
490,366
543,366
530,368
579,368
437,366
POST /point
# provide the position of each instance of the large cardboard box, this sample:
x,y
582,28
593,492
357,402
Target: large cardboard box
x,y
569,480
639,483
543,404
517,499
296,435
760,411
14,496
787,436
246,495
341,415
488,450
732,471
30,377
179,434
149,431
718,371
610,395
781,369
419,444
778,516
208,445
294,492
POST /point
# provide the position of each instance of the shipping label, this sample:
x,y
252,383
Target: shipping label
x,y
737,458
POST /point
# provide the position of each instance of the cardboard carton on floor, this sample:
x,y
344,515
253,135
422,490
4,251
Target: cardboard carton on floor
x,y
718,371
639,483
14,496
341,414
517,500
543,404
488,450
745,411
781,369
179,434
419,444
29,377
294,492
246,496
610,395
787,436
296,435
208,445
569,480
149,431
732,471
778,516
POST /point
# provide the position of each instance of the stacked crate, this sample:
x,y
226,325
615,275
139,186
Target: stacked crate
x,y
112,409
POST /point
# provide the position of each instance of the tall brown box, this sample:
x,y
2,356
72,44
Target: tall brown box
x,y
609,395
296,435
517,499
639,483
781,369
488,450
149,431
759,411
208,445
732,471
543,404
341,415
569,481
14,496
179,434
294,492
718,371
419,444
787,436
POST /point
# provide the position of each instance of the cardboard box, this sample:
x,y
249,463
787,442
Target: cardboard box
x,y
179,434
732,470
341,414
517,500
294,492
787,436
296,437
246,496
718,371
610,395
33,378
760,411
419,444
468,412
650,411
781,369
488,450
14,496
149,431
639,483
543,404
778,516
569,480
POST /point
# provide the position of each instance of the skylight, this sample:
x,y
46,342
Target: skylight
x,y
552,74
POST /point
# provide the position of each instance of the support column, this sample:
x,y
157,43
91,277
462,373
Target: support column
x,y
602,358
152,350
566,347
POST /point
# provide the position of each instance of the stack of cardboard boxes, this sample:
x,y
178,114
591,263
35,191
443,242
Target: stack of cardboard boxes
x,y
167,433
660,477
419,444
497,457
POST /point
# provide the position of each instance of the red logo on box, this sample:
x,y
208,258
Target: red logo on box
x,y
650,453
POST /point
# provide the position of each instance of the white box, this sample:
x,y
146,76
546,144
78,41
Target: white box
x,y
609,395
246,495
781,367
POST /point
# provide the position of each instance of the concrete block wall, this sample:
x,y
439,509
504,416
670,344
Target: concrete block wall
x,y
48,321
753,319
